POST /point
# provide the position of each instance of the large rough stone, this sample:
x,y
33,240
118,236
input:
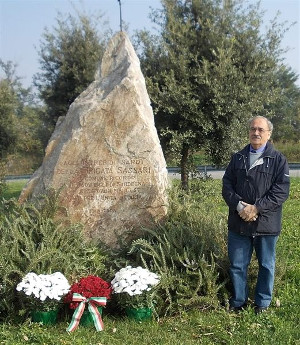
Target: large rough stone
x,y
105,155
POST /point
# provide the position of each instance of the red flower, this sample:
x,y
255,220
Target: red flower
x,y
90,286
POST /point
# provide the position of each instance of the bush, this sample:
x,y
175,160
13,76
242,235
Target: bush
x,y
31,239
2,180
290,150
192,265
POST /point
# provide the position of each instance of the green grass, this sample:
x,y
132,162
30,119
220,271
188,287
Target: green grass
x,y
280,325
13,188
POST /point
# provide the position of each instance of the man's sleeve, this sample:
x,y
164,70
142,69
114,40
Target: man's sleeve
x,y
279,191
228,191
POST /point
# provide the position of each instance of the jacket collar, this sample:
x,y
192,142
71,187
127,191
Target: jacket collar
x,y
268,152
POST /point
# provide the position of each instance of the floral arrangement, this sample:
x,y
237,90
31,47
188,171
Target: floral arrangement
x,y
90,286
43,292
132,286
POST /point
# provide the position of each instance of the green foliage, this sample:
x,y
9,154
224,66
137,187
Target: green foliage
x,y
23,163
7,107
192,265
193,210
187,279
208,72
144,300
290,149
28,126
69,57
3,186
21,129
287,109
31,239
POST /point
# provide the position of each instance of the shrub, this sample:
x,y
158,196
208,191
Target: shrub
x,y
2,180
189,254
290,150
31,239
187,279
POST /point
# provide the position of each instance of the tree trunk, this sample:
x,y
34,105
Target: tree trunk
x,y
184,167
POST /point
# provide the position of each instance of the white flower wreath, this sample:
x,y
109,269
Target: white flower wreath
x,y
134,280
43,286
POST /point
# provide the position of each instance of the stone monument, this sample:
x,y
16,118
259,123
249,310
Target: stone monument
x,y
105,156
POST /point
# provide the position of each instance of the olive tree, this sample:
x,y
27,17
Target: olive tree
x,y
208,70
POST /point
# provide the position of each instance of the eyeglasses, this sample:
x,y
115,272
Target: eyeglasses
x,y
260,130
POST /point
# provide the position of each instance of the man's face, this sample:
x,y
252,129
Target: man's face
x,y
259,133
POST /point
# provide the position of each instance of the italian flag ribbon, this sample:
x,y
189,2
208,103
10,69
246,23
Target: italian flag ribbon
x,y
92,302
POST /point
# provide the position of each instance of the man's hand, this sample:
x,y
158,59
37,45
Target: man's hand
x,y
248,213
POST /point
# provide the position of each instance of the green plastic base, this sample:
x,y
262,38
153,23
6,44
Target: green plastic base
x,y
87,319
45,317
139,314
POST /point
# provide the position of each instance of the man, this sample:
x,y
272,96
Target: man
x,y
255,185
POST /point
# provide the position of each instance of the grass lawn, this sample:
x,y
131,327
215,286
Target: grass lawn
x,y
13,188
280,325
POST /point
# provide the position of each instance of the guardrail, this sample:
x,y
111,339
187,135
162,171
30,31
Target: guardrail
x,y
17,177
205,168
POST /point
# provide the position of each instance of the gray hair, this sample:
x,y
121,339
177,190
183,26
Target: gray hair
x,y
269,123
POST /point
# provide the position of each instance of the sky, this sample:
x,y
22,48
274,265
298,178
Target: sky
x,y
22,23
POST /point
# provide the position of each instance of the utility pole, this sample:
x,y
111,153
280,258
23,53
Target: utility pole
x,y
120,5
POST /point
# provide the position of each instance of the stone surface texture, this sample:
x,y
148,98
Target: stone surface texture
x,y
105,156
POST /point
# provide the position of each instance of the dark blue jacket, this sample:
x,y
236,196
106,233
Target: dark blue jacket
x,y
266,186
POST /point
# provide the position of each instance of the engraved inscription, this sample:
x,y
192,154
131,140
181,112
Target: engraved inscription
x,y
107,180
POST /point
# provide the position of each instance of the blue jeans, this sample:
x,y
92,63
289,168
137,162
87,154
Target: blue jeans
x,y
240,249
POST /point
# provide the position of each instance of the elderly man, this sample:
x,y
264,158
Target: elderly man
x,y
255,185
